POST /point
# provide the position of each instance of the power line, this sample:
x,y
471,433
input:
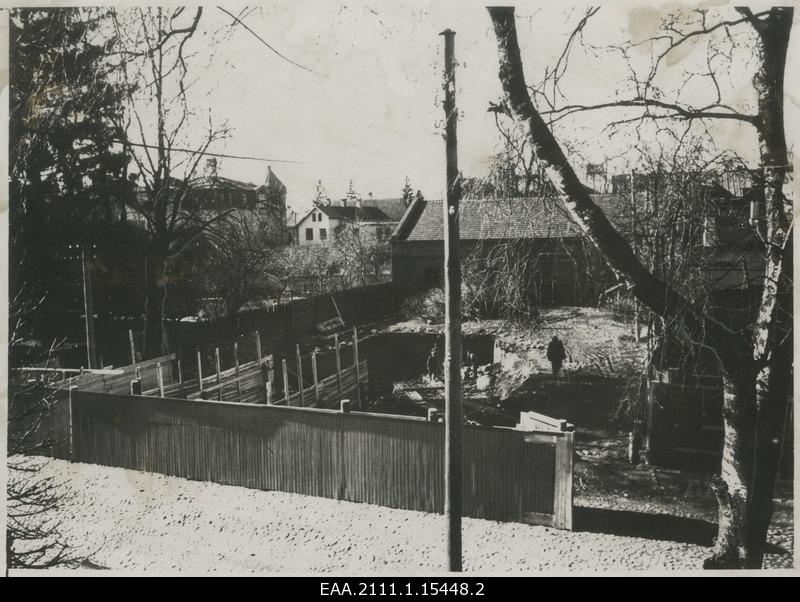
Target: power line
x,y
263,41
197,152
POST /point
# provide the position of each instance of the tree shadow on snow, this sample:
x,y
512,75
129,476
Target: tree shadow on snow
x,y
662,527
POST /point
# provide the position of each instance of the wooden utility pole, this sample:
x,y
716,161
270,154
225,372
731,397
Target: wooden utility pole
x,y
88,309
452,317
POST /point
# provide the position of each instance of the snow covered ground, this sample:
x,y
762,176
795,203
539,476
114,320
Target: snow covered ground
x,y
147,523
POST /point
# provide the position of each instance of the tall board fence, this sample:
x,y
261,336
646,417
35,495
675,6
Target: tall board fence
x,y
394,461
283,325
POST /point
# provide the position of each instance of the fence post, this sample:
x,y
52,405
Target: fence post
x,y
271,375
258,345
200,371
73,390
133,347
286,382
236,360
219,376
300,376
160,374
355,361
314,375
265,383
338,365
180,377
562,509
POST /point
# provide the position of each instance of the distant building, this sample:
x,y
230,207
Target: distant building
x,y
551,238
321,224
211,194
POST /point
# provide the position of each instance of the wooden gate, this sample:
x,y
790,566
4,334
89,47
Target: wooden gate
x,y
560,437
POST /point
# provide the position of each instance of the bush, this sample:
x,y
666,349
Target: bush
x,y
429,305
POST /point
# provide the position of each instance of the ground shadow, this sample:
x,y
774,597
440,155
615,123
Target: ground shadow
x,y
663,527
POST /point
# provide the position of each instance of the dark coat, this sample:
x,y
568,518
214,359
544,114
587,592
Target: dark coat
x,y
555,351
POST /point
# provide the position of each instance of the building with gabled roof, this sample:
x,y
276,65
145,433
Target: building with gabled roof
x,y
542,228
321,223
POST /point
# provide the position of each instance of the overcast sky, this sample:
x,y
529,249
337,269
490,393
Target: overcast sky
x,y
372,111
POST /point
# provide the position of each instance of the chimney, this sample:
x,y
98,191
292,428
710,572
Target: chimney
x,y
211,167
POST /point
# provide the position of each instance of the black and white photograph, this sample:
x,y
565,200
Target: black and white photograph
x,y
375,289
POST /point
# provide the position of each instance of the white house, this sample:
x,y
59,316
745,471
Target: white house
x,y
320,224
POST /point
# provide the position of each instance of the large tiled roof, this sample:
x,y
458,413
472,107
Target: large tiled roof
x,y
394,208
364,214
489,219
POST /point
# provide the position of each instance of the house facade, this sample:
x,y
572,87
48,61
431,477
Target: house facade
x,y
321,224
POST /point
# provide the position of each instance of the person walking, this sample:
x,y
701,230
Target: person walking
x,y
433,362
556,354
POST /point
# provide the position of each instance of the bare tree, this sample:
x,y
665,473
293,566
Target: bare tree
x,y
752,361
155,65
360,257
237,260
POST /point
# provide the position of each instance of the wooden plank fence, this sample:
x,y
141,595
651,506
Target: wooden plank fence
x,y
326,393
394,461
121,383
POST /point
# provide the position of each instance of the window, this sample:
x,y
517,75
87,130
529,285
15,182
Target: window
x,y
323,234
313,217
262,195
309,233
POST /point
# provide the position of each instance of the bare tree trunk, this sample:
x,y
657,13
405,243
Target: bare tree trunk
x,y
744,519
155,335
732,487
752,408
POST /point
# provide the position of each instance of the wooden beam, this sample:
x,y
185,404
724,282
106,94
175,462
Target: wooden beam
x,y
180,377
562,504
219,376
258,346
315,376
236,360
133,347
355,362
271,375
286,382
88,306
300,376
200,369
160,375
338,364
453,506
